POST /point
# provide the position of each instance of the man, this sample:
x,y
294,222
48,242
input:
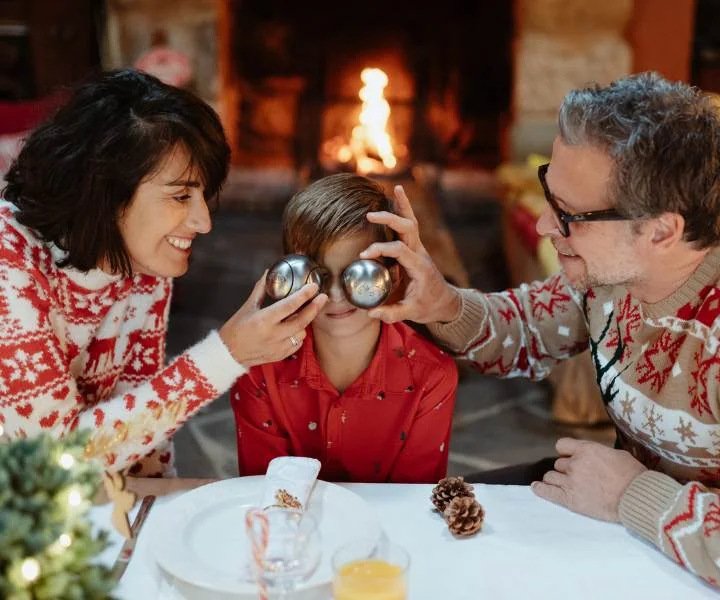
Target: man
x,y
633,191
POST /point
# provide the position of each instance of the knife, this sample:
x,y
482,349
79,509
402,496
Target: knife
x,y
128,547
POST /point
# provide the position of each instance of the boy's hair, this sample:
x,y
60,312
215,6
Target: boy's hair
x,y
332,208
78,172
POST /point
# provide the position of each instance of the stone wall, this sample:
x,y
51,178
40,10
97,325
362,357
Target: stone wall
x,y
561,45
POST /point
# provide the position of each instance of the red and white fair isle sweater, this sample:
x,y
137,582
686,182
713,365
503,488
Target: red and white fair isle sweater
x,y
658,369
87,350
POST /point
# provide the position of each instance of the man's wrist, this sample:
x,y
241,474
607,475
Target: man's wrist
x,y
642,504
451,307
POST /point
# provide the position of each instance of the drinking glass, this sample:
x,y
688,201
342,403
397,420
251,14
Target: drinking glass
x,y
292,554
370,570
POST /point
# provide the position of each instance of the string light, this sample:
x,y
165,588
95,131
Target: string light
x,y
30,569
67,460
60,545
74,498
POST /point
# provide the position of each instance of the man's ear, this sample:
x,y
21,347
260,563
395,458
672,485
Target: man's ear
x,y
667,230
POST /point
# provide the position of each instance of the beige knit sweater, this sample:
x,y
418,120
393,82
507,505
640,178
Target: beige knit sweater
x,y
658,368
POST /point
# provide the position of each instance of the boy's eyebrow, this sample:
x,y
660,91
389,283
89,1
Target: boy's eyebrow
x,y
191,183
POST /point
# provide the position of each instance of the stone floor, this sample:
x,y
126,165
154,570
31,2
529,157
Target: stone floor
x,y
497,422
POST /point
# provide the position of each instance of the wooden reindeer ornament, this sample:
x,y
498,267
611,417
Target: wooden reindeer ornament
x,y
123,500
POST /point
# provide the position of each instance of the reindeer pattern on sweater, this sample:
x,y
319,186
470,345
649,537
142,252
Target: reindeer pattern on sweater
x,y
87,350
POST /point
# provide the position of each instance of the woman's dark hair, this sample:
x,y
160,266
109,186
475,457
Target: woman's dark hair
x,y
77,172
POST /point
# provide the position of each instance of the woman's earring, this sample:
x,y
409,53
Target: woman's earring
x,y
367,283
291,273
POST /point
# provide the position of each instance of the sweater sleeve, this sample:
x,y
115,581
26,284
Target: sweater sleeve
x,y
521,332
41,394
682,520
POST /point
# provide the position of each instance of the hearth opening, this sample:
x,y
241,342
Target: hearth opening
x,y
374,87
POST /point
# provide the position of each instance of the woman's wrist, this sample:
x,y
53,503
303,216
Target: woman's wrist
x,y
224,333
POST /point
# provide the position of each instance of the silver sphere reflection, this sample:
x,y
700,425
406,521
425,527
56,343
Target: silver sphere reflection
x,y
291,273
367,283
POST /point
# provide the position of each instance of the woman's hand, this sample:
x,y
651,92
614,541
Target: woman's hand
x,y
257,335
428,297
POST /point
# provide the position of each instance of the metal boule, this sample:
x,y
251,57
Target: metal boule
x,y
290,274
367,283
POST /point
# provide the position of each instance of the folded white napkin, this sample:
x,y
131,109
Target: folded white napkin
x,y
289,481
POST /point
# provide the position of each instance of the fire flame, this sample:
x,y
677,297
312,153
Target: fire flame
x,y
370,142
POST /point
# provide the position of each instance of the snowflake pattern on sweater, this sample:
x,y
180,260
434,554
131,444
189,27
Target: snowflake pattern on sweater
x,y
87,350
658,369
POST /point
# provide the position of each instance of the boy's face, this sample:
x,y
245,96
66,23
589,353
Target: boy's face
x,y
338,317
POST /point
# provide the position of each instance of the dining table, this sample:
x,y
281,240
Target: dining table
x,y
527,548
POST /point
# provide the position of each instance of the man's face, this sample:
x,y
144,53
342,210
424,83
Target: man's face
x,y
598,252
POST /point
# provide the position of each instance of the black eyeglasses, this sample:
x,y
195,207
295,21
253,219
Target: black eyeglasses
x,y
564,218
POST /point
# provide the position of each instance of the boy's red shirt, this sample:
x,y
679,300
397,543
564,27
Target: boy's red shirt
x,y
392,424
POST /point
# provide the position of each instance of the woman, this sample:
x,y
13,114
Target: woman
x,y
101,208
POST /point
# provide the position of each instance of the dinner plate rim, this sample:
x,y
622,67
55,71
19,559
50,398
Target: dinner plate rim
x,y
172,520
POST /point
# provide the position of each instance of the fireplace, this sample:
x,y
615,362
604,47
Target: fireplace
x,y
436,80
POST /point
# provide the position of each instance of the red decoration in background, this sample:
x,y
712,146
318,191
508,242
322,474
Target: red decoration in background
x,y
17,119
168,65
524,224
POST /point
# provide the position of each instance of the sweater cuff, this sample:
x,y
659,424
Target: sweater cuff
x,y
214,360
460,333
644,502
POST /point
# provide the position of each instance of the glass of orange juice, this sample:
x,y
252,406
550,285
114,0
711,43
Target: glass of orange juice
x,y
370,570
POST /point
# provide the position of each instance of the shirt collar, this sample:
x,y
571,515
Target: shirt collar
x,y
390,357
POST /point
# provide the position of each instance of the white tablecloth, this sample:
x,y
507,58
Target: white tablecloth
x,y
528,548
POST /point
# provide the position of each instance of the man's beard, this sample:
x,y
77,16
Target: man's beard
x,y
587,280
580,284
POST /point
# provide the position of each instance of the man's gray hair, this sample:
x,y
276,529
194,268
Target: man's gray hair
x,y
664,140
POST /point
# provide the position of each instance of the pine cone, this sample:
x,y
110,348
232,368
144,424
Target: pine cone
x,y
449,488
464,515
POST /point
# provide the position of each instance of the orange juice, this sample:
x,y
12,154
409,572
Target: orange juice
x,y
369,580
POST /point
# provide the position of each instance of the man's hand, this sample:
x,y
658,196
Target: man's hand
x,y
428,297
589,478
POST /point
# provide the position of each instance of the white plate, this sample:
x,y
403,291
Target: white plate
x,y
201,534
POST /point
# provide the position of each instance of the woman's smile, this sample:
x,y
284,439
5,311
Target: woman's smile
x,y
180,243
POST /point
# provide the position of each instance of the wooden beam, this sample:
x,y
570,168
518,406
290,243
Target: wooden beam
x,y
661,35
229,97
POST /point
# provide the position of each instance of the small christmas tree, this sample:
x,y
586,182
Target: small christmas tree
x,y
46,541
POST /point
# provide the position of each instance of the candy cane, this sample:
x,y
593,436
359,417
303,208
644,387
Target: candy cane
x,y
259,545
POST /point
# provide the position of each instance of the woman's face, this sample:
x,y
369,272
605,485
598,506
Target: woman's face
x,y
166,213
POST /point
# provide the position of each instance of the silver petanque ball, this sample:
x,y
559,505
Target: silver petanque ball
x,y
367,283
289,274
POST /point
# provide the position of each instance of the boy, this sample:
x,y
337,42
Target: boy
x,y
373,402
